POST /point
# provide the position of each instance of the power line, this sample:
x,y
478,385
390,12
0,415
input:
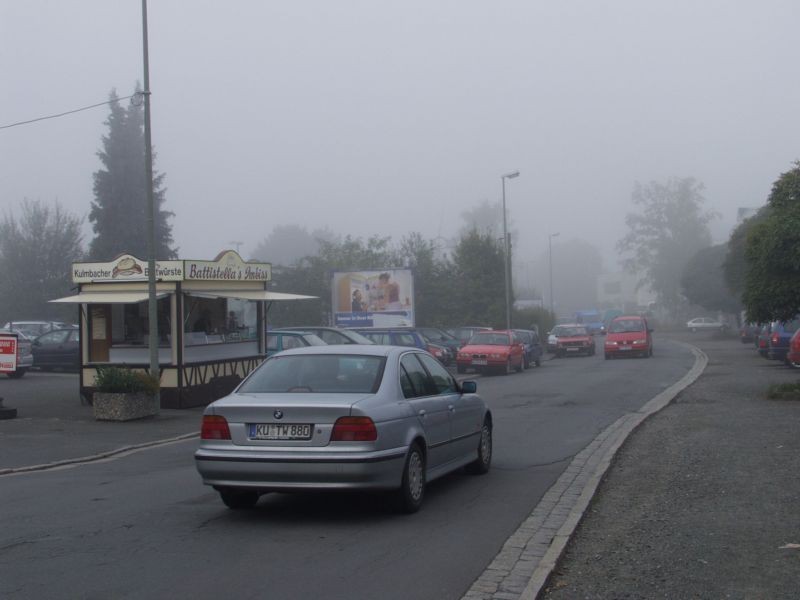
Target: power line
x,y
69,112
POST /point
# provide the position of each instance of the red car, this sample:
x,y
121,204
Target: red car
x,y
793,358
574,339
629,336
491,351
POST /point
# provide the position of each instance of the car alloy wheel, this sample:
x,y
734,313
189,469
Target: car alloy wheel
x,y
412,489
482,464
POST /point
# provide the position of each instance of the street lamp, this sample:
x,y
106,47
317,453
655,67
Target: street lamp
x,y
507,248
550,259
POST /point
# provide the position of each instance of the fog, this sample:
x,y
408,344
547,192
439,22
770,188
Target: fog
x,y
387,118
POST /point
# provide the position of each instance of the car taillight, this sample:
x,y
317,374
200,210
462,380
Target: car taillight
x,y
215,428
354,429
775,338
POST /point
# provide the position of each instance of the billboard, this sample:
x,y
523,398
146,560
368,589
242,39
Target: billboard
x,y
382,298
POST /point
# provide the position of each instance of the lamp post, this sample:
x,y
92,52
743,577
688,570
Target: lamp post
x,y
550,260
507,248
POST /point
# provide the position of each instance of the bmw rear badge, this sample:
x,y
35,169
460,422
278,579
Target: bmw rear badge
x,y
278,414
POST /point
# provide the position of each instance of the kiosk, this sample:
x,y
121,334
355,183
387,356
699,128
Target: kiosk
x,y
211,322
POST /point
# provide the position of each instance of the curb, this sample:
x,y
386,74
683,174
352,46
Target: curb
x,y
70,462
523,566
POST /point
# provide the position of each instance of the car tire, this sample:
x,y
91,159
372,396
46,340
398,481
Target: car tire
x,y
482,464
461,369
526,364
17,374
412,489
520,366
608,356
238,499
538,362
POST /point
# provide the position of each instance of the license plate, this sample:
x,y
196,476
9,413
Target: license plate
x,y
280,431
572,349
479,361
624,347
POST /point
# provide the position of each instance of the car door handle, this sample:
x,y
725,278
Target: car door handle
x,y
421,413
451,408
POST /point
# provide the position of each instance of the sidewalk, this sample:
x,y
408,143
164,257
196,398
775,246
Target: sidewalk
x,y
52,426
703,500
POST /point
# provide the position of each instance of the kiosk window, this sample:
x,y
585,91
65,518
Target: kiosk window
x,y
218,320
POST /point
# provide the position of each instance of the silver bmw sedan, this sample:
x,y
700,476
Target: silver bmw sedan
x,y
343,417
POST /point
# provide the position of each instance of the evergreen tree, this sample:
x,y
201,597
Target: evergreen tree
x,y
119,208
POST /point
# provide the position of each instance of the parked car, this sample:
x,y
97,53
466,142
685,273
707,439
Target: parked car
x,y
492,350
441,337
58,349
705,324
779,337
573,340
592,320
532,345
331,335
748,332
406,336
793,356
278,341
341,418
464,334
24,355
628,336
762,341
33,329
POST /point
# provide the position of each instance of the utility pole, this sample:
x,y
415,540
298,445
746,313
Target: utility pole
x,y
152,303
507,249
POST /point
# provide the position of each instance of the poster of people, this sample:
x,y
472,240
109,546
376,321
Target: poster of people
x,y
373,298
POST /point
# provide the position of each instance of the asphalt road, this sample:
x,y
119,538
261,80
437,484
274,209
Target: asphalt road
x,y
143,526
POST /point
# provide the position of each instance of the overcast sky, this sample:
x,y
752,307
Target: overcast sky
x,y
381,117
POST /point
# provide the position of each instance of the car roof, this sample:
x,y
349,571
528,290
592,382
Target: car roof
x,y
628,318
354,349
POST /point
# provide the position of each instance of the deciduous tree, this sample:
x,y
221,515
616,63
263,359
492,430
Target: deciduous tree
x,y
772,252
37,250
704,284
666,231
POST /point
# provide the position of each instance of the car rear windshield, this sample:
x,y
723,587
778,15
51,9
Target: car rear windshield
x,y
490,339
317,373
569,331
626,325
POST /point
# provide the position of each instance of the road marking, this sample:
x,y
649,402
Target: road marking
x,y
99,457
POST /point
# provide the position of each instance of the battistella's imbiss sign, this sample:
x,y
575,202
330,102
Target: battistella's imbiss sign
x,y
227,266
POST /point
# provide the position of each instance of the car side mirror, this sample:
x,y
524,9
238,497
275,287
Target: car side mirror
x,y
469,387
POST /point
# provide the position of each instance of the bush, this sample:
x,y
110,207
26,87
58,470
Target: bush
x,y
784,391
119,380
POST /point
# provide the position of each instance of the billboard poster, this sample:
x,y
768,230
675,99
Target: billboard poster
x,y
383,298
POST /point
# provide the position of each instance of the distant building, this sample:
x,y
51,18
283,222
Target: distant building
x,y
618,290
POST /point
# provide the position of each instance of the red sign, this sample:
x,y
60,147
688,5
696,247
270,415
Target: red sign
x,y
8,353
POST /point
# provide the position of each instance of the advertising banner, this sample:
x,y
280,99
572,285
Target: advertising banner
x,y
382,298
8,352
